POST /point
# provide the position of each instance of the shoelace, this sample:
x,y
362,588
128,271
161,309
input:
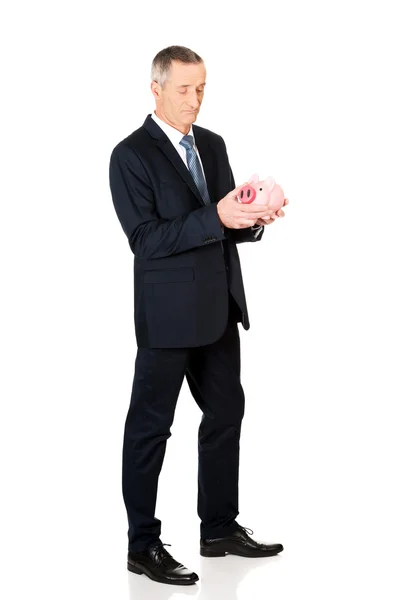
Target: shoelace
x,y
161,544
247,530
161,554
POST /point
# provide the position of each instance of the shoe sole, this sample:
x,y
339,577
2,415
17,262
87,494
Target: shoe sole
x,y
142,570
212,553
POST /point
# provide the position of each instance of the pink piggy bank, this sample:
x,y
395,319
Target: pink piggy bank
x,y
265,192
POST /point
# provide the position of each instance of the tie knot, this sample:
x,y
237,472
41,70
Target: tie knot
x,y
187,141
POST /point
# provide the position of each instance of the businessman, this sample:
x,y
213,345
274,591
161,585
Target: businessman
x,y
175,197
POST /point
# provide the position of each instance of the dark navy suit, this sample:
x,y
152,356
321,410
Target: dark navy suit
x,y
188,300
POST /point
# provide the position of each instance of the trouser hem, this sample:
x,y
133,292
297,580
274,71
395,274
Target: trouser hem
x,y
208,533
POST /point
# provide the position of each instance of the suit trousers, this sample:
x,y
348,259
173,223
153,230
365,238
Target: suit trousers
x,y
213,376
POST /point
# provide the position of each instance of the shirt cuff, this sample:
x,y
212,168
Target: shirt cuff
x,y
257,229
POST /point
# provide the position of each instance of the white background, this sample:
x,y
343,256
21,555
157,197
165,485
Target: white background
x,y
305,92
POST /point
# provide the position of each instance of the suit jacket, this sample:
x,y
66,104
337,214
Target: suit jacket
x,y
182,276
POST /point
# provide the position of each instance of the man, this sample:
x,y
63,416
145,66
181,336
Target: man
x,y
174,194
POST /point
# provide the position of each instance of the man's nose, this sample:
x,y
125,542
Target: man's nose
x,y
193,102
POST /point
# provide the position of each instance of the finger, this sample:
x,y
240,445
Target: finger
x,y
246,223
254,209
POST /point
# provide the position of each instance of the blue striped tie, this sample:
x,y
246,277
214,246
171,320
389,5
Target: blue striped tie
x,y
196,171
195,167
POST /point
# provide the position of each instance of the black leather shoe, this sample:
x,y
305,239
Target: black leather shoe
x,y
157,563
239,543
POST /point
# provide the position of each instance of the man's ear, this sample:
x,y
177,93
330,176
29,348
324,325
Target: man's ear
x,y
155,89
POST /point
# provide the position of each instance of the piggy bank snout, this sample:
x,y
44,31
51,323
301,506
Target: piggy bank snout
x,y
247,194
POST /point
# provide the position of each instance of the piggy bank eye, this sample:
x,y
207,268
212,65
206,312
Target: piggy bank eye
x,y
260,189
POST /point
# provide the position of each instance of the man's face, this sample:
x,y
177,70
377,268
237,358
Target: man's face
x,y
178,103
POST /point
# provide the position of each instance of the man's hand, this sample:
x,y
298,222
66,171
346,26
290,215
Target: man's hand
x,y
235,215
271,218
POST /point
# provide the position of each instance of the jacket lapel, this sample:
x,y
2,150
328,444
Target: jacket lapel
x,y
209,161
206,155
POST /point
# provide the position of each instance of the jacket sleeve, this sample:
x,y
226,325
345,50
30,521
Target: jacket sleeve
x,y
150,236
246,234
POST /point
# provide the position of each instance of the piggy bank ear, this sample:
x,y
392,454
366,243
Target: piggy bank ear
x,y
270,183
253,179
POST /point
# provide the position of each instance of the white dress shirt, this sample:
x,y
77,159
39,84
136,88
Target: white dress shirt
x,y
175,136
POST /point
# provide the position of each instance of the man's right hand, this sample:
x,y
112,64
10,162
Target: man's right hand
x,y
235,215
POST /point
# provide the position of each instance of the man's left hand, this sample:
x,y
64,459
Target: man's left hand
x,y
271,218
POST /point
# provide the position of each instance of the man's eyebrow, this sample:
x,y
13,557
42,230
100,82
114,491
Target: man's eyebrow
x,y
187,85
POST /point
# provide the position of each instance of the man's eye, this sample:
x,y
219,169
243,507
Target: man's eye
x,y
199,91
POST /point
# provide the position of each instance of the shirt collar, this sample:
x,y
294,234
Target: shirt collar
x,y
174,135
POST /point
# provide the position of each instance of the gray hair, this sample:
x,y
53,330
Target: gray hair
x,y
162,61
